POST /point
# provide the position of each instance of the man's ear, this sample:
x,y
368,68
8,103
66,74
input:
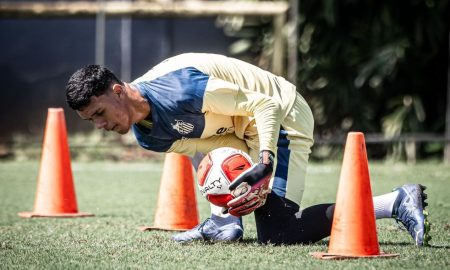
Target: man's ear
x,y
117,89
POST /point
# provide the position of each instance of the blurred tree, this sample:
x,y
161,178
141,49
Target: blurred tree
x,y
357,57
374,66
254,35
365,65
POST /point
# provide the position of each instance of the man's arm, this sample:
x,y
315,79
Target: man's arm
x,y
192,146
250,189
226,98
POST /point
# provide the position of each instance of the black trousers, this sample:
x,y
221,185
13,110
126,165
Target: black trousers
x,y
280,222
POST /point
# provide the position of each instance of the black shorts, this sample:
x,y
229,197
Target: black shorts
x,y
279,221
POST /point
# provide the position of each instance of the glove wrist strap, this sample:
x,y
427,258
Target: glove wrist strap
x,y
266,157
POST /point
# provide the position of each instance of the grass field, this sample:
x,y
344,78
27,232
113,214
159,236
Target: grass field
x,y
123,196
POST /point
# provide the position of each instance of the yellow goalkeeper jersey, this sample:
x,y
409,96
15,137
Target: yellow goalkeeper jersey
x,y
200,102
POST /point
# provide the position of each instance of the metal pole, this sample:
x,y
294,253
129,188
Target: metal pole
x,y
447,117
125,48
292,41
278,46
167,39
100,34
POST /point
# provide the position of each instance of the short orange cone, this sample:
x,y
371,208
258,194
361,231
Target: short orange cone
x,y
55,196
354,232
177,205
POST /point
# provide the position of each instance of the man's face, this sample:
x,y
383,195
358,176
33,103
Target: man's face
x,y
108,112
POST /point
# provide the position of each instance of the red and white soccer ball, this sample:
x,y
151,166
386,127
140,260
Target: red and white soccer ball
x,y
217,170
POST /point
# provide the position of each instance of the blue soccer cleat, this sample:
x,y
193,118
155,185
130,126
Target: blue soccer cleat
x,y
409,210
213,229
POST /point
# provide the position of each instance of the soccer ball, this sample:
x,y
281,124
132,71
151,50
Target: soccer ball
x,y
217,170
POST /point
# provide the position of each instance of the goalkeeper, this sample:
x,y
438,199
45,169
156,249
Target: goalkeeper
x,y
194,103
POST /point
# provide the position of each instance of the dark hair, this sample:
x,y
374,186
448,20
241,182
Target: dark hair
x,y
87,82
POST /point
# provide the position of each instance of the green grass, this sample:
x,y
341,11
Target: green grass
x,y
123,197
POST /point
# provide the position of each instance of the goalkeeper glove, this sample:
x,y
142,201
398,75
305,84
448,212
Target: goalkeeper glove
x,y
250,189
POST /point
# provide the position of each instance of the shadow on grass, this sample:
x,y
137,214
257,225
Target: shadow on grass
x,y
410,244
254,241
246,241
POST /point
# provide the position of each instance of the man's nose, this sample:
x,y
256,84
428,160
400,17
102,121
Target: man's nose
x,y
100,123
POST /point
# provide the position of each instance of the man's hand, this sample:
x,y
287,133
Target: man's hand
x,y
250,189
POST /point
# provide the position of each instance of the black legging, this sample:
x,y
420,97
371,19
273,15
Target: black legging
x,y
277,222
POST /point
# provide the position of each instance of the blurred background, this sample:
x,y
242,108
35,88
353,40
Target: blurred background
x,y
380,67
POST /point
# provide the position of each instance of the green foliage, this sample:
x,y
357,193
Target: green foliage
x,y
370,66
254,38
123,197
373,66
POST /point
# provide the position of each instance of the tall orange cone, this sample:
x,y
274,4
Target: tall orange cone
x,y
55,196
177,205
354,232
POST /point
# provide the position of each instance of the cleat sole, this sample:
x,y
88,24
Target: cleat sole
x,y
426,222
427,225
423,195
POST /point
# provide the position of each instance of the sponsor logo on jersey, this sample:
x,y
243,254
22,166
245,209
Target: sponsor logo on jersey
x,y
221,130
183,127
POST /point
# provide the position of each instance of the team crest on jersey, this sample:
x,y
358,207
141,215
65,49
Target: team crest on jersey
x,y
183,127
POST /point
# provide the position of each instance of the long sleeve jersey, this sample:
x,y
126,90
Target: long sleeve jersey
x,y
199,102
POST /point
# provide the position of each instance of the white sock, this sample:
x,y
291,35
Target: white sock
x,y
217,210
384,204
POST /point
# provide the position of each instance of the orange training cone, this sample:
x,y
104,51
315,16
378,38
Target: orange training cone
x,y
55,196
177,206
354,232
